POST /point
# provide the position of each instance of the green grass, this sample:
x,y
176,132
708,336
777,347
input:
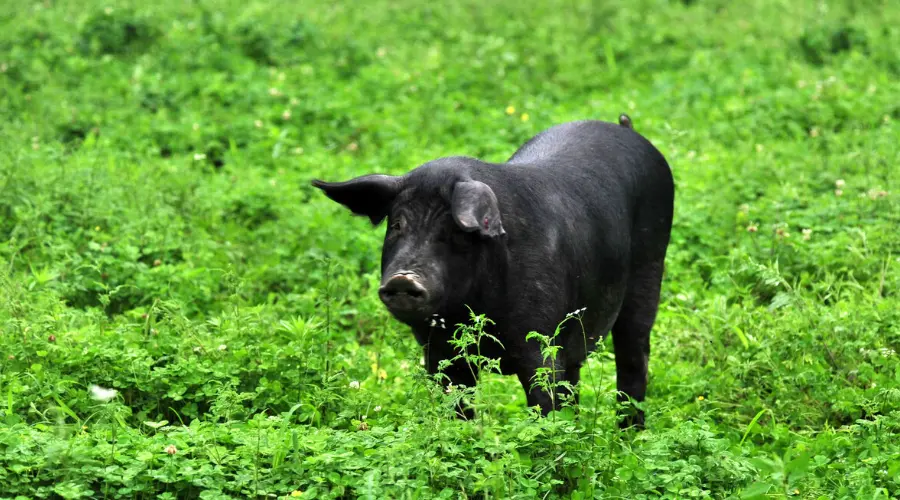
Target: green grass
x,y
159,236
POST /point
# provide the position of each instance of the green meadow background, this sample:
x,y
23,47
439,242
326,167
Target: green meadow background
x,y
159,237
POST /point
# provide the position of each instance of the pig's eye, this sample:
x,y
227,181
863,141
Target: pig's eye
x,y
396,226
460,239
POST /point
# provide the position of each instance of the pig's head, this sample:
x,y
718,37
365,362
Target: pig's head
x,y
444,232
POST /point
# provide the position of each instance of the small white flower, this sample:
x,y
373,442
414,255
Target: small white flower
x,y
876,193
102,394
839,183
354,384
433,323
222,347
377,409
576,312
199,156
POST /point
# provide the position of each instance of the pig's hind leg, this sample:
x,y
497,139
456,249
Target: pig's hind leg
x,y
631,336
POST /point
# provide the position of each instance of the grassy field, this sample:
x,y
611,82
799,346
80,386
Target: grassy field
x,y
159,237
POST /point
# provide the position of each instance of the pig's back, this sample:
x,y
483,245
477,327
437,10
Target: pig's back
x,y
587,138
615,183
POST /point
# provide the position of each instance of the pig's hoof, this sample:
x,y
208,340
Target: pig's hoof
x,y
467,413
634,420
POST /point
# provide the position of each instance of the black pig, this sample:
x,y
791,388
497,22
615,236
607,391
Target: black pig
x,y
579,217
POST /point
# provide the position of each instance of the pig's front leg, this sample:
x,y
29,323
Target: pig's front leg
x,y
458,373
547,398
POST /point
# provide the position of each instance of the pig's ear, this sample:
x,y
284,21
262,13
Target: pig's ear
x,y
475,208
369,195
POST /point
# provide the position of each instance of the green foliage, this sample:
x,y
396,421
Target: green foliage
x,y
159,237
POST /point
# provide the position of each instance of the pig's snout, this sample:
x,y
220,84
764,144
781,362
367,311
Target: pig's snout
x,y
403,294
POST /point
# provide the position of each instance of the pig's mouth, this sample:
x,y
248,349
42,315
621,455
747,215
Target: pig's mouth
x,y
407,298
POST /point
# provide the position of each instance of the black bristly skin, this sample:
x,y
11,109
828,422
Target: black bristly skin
x,y
579,217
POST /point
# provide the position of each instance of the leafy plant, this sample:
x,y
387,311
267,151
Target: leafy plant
x,y
159,238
